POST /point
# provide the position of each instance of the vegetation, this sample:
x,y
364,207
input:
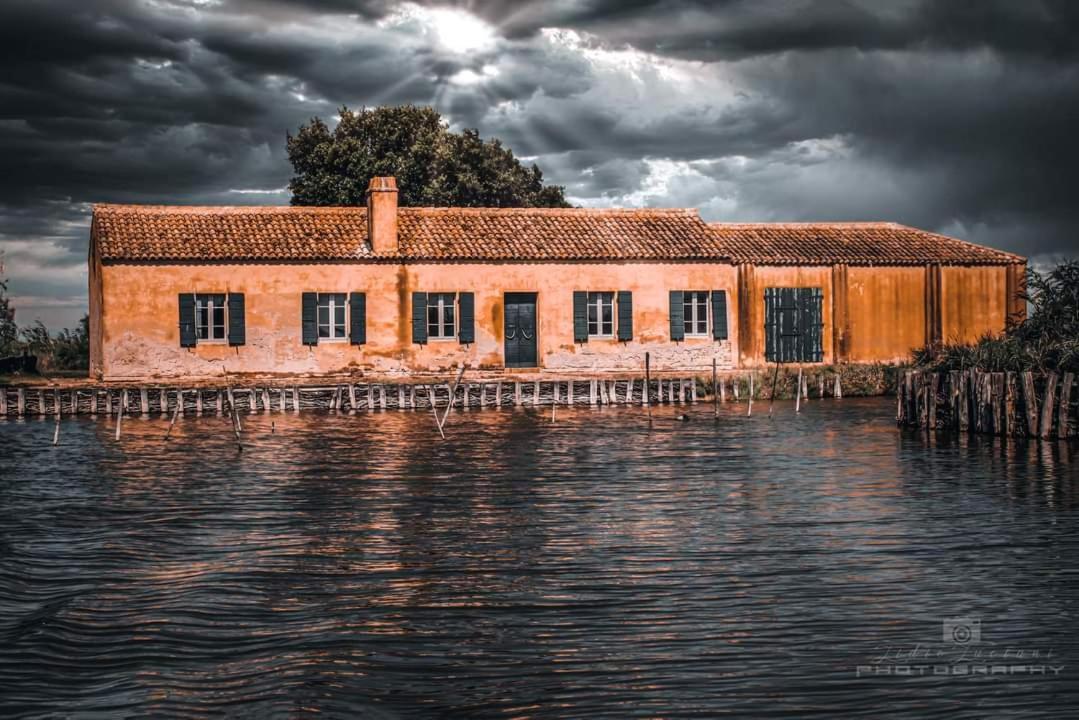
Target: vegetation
x,y
1047,341
433,166
68,350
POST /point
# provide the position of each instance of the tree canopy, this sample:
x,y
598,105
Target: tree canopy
x,y
433,166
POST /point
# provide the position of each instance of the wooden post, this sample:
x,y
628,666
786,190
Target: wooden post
x,y
591,392
483,395
144,401
715,390
722,390
821,396
749,412
352,397
570,391
120,412
1011,421
3,401
498,394
1030,404
175,413
997,380
963,402
400,397
1063,429
371,396
934,385
381,396
648,383
536,393
837,392
517,392
1047,406
798,393
412,396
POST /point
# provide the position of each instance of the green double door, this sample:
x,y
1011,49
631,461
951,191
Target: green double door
x,y
520,330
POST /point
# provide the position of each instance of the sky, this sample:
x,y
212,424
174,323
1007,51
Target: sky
x,y
957,117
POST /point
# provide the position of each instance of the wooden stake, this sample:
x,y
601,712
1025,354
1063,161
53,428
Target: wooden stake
x,y
20,401
175,413
715,389
837,392
120,413
1063,429
536,393
798,393
1047,406
1030,404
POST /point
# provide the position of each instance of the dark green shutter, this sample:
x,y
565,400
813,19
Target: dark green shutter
x,y
187,320
811,322
357,318
237,325
309,317
466,303
580,316
771,324
419,317
719,314
678,326
625,315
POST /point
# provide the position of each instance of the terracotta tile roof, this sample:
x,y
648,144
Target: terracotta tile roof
x,y
141,232
862,243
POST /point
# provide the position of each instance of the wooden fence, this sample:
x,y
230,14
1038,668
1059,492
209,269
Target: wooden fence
x,y
1006,404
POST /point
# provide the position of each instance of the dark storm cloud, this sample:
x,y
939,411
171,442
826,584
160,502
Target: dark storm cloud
x,y
950,115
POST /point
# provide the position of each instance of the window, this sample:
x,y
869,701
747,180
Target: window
x,y
331,316
600,314
695,313
441,323
210,317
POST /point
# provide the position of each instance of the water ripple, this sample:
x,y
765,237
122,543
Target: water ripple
x,y
595,566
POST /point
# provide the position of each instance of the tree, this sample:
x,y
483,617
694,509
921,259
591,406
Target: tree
x,y
71,348
9,331
433,166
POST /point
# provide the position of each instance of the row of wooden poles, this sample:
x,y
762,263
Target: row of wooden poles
x,y
994,403
30,401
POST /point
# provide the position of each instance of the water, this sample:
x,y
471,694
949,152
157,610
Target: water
x,y
356,566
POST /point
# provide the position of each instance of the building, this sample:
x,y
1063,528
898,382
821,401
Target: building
x,y
193,292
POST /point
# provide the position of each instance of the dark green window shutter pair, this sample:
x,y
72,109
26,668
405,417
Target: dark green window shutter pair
x,y
625,315
237,333
793,323
719,314
237,325
466,317
678,327
309,318
580,316
357,314
187,320
357,310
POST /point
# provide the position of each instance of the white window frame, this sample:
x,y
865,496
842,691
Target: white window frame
x,y
331,306
443,300
694,317
209,301
597,300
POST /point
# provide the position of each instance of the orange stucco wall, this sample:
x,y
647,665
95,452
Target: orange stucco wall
x,y
885,313
140,325
974,301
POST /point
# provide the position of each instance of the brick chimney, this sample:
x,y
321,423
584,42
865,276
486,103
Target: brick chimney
x,y
382,214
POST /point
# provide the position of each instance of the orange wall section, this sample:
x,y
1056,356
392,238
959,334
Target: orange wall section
x,y
974,302
885,313
766,276
140,319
